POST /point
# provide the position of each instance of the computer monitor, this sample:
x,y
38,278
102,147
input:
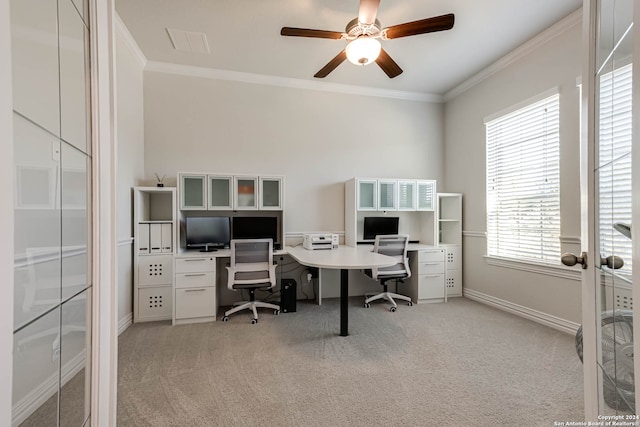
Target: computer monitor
x,y
374,225
207,232
255,227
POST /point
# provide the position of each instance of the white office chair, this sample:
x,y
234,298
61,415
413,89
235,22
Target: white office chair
x,y
395,246
251,268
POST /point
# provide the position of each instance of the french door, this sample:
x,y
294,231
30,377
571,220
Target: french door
x,y
609,191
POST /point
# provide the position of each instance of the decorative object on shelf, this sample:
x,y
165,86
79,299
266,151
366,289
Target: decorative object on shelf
x,y
160,183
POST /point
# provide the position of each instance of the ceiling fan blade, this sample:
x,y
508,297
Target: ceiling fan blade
x,y
305,32
332,65
368,11
388,65
422,26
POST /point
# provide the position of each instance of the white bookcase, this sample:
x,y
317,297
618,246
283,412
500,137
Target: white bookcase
x,y
154,232
450,239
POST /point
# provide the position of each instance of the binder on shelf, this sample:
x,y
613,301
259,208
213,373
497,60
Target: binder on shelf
x,y
167,240
155,238
143,238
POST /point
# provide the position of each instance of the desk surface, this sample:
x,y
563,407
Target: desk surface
x,y
345,257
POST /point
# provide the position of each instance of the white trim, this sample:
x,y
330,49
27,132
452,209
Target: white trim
x,y
470,233
515,107
533,267
554,322
574,240
43,392
6,215
125,322
521,51
122,29
261,79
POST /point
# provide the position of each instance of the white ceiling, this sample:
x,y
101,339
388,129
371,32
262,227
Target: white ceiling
x,y
244,36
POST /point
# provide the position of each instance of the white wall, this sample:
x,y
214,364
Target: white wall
x,y
316,139
554,63
130,134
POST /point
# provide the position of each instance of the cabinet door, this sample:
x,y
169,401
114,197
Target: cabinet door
x,y
387,195
367,195
270,193
426,195
220,192
192,192
246,193
407,195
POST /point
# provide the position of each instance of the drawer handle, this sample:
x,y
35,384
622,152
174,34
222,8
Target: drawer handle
x,y
432,275
195,290
195,259
432,263
194,275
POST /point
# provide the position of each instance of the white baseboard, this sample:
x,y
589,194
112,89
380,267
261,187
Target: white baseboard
x,y
554,322
39,395
125,322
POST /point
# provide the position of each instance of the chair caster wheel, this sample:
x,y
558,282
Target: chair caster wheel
x,y
276,312
392,309
254,321
367,305
410,303
225,318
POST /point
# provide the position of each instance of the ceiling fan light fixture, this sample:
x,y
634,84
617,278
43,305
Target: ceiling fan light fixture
x,y
363,50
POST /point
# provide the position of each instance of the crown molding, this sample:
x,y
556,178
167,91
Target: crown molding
x,y
521,51
122,29
261,79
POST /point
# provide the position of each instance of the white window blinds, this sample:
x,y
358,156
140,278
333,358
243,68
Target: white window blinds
x,y
614,172
523,183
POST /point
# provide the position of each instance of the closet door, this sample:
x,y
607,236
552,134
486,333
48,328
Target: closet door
x,y
52,214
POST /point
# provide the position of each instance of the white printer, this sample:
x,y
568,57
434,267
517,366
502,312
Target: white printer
x,y
320,241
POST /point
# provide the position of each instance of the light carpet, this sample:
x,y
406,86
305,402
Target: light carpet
x,y
455,364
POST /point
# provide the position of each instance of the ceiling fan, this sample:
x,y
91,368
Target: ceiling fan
x,y
364,34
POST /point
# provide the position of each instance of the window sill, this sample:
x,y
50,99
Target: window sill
x,y
536,267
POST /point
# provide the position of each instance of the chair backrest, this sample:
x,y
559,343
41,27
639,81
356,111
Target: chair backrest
x,y
394,245
251,263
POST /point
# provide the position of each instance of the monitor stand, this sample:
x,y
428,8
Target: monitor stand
x,y
208,248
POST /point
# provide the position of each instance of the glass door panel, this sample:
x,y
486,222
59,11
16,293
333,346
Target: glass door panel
x,y
614,328
407,195
271,193
192,192
387,195
246,189
220,192
367,195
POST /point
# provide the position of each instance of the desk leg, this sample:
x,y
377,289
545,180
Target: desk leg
x,y
344,302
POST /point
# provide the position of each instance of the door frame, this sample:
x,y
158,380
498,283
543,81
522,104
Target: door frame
x,y
588,213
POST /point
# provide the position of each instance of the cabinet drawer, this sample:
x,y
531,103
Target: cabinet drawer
x,y
155,270
195,302
431,256
154,303
190,280
431,267
431,286
195,265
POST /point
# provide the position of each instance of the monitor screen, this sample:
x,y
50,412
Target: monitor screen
x,y
374,225
207,231
255,227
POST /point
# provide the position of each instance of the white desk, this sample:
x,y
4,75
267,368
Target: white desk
x,y
344,258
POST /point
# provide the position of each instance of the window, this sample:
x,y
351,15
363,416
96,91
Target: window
x,y
615,163
523,183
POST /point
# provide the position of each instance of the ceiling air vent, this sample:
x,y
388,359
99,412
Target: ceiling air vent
x,y
188,41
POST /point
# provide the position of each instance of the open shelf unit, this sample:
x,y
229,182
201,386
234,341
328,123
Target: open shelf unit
x,y
450,238
154,232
